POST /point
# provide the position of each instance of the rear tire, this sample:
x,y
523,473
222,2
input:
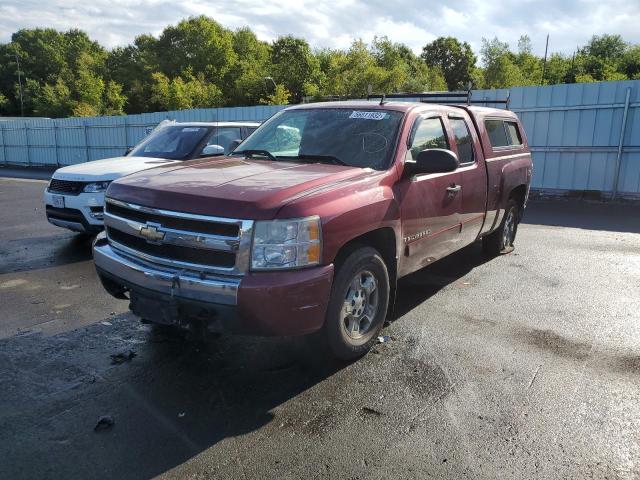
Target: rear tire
x,y
501,240
357,306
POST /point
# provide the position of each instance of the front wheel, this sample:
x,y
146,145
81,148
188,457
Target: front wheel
x,y
501,240
358,304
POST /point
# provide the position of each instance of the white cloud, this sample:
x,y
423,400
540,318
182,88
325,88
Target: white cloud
x,y
337,24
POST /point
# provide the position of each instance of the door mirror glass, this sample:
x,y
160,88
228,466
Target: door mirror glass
x,y
211,150
435,160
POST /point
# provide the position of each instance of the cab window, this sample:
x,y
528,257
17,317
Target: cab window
x,y
514,133
223,136
503,133
428,134
463,139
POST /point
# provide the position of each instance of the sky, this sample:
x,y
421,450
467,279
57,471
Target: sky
x,y
337,23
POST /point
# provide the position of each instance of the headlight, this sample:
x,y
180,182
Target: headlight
x,y
95,187
279,244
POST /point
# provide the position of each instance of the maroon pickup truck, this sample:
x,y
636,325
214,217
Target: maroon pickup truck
x,y
308,225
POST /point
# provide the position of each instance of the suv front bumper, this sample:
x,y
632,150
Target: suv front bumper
x,y
77,214
262,303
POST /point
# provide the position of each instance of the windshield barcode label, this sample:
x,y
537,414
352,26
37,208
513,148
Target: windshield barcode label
x,y
368,115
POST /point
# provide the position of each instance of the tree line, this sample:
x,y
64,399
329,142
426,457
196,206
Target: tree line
x,y
199,63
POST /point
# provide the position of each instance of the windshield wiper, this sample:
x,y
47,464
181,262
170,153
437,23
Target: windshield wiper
x,y
326,158
264,153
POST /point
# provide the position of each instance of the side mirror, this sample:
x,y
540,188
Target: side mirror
x,y
435,160
211,150
234,144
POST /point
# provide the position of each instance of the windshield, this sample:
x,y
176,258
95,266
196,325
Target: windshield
x,y
174,142
345,136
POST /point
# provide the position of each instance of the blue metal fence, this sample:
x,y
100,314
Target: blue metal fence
x,y
583,136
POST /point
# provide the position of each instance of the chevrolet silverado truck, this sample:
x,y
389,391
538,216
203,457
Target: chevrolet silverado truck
x,y
308,225
74,198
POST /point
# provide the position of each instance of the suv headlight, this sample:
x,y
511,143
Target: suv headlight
x,y
280,244
95,187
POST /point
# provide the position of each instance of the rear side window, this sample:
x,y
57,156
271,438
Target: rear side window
x,y
463,139
497,133
503,133
429,134
514,133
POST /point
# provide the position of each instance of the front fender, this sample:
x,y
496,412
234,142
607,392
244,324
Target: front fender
x,y
349,210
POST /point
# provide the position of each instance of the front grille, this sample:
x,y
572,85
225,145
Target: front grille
x,y
210,258
66,187
177,223
179,240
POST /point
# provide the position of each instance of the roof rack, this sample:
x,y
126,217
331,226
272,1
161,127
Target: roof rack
x,y
432,97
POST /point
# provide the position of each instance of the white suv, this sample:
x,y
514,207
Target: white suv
x,y
74,198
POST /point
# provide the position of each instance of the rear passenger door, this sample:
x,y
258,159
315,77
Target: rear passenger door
x,y
430,212
473,176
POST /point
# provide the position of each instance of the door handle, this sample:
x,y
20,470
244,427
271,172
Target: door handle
x,y
453,189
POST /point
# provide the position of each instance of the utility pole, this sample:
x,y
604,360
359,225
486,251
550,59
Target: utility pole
x,y
544,65
20,85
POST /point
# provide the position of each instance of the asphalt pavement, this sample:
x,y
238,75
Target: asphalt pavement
x,y
521,366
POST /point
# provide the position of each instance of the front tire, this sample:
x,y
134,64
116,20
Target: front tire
x,y
501,240
358,304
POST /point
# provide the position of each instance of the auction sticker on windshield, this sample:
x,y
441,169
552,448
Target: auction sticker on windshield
x,y
368,115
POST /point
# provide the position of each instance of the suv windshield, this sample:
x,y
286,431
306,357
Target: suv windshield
x,y
344,136
173,142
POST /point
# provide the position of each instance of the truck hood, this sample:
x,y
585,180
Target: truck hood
x,y
108,169
229,187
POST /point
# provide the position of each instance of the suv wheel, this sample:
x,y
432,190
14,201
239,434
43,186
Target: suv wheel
x,y
358,304
501,240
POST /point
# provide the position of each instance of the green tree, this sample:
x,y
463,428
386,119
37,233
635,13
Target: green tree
x,y
294,66
501,67
456,60
630,63
559,69
199,45
280,96
245,83
131,67
610,47
114,100
530,66
180,94
50,100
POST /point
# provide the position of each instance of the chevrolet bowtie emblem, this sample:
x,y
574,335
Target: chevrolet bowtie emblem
x,y
151,233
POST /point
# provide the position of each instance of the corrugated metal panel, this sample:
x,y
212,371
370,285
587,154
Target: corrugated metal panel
x,y
574,132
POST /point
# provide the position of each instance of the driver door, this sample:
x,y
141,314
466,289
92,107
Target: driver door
x,y
430,202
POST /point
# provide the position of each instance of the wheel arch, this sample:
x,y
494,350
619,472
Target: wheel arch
x,y
384,241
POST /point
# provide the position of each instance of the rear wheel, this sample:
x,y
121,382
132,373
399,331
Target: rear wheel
x,y
358,304
501,240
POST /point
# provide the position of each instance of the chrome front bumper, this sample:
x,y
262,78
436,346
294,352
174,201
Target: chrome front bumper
x,y
173,282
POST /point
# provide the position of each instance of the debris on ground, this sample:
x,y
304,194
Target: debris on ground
x,y
105,422
118,358
181,415
371,411
107,324
386,338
